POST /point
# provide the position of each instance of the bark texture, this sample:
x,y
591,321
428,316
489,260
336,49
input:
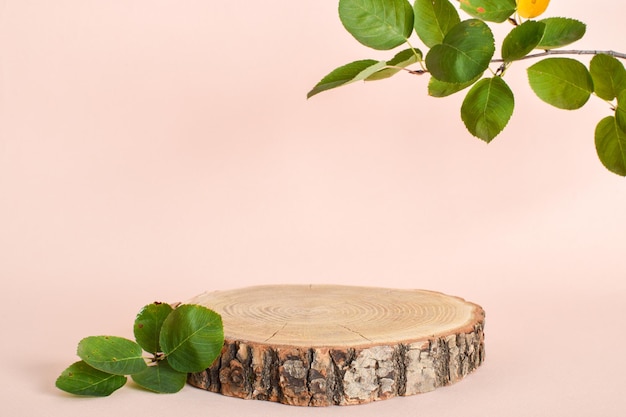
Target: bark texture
x,y
362,370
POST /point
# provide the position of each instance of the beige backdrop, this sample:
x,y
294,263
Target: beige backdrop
x,y
153,150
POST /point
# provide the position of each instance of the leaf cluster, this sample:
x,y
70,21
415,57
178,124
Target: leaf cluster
x,y
460,52
177,341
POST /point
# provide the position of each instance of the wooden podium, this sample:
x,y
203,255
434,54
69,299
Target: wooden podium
x,y
319,345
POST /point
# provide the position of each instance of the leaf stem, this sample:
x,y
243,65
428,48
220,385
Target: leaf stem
x,y
569,52
410,71
420,58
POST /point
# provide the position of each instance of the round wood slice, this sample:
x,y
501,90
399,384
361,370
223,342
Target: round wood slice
x,y
318,345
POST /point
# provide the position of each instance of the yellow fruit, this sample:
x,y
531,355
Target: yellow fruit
x,y
531,8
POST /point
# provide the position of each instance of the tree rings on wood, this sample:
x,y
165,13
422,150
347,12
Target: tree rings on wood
x,y
319,345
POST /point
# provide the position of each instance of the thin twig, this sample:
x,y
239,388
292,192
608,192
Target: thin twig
x,y
547,52
570,52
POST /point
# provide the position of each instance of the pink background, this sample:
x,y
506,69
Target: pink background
x,y
153,150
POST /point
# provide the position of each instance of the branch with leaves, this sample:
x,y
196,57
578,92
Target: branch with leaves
x,y
461,52
180,340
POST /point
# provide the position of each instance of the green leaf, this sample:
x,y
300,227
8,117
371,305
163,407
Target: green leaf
x,y
561,31
378,24
192,338
433,20
112,354
620,111
438,88
611,145
346,74
562,82
609,76
148,324
82,379
489,10
464,54
487,108
401,60
160,377
521,40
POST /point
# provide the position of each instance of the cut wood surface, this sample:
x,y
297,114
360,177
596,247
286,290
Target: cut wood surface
x,y
321,345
